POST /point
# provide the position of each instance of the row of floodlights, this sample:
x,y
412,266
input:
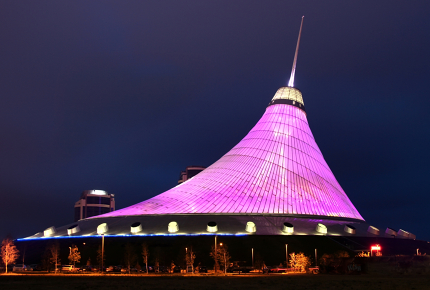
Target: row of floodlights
x,y
136,228
173,227
320,228
212,227
392,233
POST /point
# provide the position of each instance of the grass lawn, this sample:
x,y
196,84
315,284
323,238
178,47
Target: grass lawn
x,y
272,281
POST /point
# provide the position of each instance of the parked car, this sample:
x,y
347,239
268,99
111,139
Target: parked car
x,y
68,268
19,267
203,269
177,269
125,270
34,267
113,269
85,269
150,269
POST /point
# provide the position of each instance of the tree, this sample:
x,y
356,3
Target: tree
x,y
189,258
46,259
89,262
363,254
342,254
224,257
9,252
221,256
258,263
74,255
214,255
172,266
129,256
303,262
157,264
293,260
55,255
145,255
138,268
299,261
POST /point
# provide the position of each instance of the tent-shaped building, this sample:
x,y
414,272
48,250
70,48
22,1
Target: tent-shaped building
x,y
275,181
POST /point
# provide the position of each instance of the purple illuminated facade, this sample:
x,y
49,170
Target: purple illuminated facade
x,y
275,181
276,169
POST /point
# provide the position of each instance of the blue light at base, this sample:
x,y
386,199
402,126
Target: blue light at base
x,y
129,235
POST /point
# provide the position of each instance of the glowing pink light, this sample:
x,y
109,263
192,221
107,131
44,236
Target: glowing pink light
x,y
276,169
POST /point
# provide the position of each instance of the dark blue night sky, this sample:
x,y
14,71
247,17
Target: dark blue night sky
x,y
123,95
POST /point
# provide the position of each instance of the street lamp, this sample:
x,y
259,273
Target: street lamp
x,y
103,250
252,254
316,257
215,256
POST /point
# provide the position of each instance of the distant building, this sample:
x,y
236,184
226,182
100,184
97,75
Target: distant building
x,y
94,202
189,172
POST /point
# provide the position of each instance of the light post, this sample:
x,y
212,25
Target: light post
x,y
286,253
316,258
215,256
186,260
70,253
252,253
103,249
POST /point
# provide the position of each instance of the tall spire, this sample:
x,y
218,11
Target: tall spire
x,y
293,71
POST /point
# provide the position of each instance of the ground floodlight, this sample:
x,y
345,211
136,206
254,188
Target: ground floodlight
x,y
322,229
349,229
136,228
288,228
173,227
73,229
49,232
102,228
372,230
250,227
212,227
